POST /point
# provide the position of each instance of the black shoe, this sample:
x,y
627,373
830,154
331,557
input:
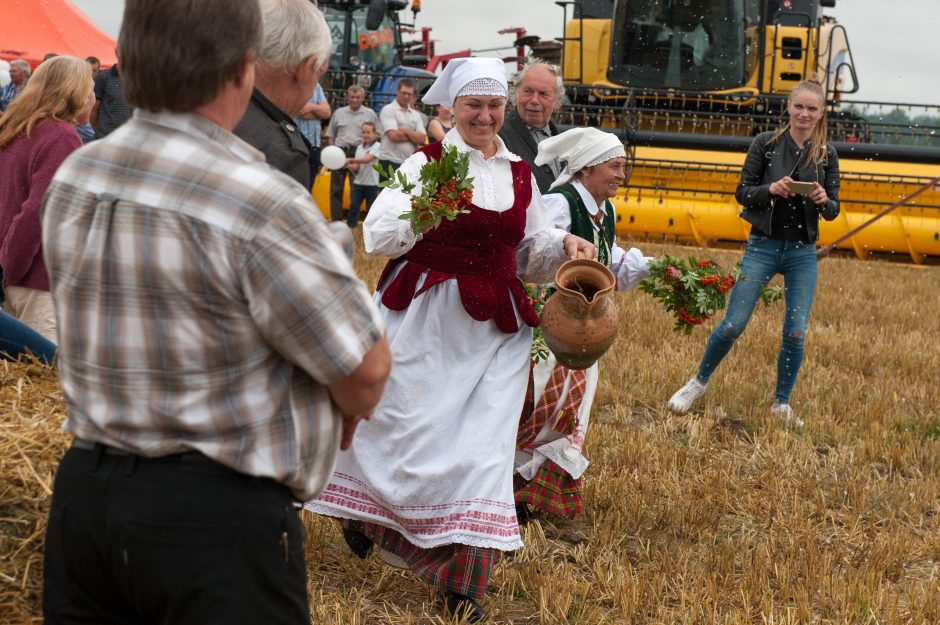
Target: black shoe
x,y
358,542
463,607
523,515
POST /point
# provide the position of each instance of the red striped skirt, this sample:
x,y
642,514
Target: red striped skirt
x,y
459,568
551,490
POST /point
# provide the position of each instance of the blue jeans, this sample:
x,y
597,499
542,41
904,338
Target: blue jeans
x,y
358,193
763,258
17,338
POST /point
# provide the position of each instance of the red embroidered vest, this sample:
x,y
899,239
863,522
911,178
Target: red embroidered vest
x,y
478,249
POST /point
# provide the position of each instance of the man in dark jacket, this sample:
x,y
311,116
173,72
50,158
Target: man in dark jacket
x,y
111,110
294,54
536,97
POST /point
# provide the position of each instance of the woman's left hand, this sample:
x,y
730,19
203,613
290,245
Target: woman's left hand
x,y
576,247
818,196
349,429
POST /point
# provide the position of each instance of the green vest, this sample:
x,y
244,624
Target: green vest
x,y
582,224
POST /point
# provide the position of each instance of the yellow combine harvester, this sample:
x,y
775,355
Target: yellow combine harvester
x,y
687,83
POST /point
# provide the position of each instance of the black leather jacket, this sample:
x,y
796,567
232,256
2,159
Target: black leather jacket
x,y
270,130
765,164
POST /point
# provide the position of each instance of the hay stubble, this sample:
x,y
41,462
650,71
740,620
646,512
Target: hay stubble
x,y
717,517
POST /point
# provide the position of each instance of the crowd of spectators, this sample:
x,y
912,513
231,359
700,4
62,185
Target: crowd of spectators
x,y
306,122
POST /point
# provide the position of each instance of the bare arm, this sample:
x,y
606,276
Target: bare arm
x,y
362,160
416,136
436,130
320,110
360,391
400,135
397,135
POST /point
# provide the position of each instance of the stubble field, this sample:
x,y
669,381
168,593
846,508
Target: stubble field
x,y
721,516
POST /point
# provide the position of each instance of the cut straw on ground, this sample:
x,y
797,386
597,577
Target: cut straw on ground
x,y
721,516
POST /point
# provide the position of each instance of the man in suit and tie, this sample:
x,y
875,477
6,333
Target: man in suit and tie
x,y
536,97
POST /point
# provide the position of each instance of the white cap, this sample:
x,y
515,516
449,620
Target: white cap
x,y
486,76
578,148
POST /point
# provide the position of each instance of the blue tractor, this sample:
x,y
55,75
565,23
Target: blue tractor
x,y
368,49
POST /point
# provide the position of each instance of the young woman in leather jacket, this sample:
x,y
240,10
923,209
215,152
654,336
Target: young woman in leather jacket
x,y
784,230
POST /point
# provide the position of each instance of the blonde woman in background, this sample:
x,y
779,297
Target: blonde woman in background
x,y
784,222
37,132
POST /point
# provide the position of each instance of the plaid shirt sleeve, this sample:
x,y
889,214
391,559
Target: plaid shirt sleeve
x,y
305,297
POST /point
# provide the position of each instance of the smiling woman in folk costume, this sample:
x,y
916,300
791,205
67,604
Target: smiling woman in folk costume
x,y
429,478
549,458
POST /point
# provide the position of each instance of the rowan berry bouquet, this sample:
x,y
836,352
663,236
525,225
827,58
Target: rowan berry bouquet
x,y
696,289
446,189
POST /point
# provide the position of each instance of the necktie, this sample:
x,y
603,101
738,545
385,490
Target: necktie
x,y
539,134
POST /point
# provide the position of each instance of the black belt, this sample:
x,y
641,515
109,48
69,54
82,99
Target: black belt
x,y
84,445
192,460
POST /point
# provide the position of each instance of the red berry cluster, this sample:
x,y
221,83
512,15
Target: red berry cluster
x,y
710,280
672,274
694,290
442,203
727,281
694,320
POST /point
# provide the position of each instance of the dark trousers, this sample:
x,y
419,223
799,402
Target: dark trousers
x,y
338,185
314,160
357,194
179,539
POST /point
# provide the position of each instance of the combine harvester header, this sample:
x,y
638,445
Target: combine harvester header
x,y
688,83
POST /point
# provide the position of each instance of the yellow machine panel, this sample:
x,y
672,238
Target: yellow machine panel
x,y
587,62
683,194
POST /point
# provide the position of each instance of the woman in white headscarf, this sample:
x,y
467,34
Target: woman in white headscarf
x,y
549,458
429,478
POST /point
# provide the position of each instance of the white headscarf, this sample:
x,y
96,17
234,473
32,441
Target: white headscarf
x,y
468,76
578,148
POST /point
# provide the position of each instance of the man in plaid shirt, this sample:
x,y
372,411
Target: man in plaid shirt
x,y
216,344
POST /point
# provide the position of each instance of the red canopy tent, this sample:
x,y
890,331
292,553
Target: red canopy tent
x,y
30,29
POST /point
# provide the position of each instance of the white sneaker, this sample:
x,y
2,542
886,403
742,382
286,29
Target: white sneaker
x,y
682,400
785,413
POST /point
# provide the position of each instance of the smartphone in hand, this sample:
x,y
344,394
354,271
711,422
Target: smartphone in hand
x,y
803,188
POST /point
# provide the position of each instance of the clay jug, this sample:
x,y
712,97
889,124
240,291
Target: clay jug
x,y
580,320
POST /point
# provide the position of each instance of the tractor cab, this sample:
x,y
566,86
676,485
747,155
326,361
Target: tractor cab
x,y
368,49
366,36
687,45
756,46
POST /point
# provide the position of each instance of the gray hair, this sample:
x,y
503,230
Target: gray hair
x,y
23,65
554,70
292,31
356,89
